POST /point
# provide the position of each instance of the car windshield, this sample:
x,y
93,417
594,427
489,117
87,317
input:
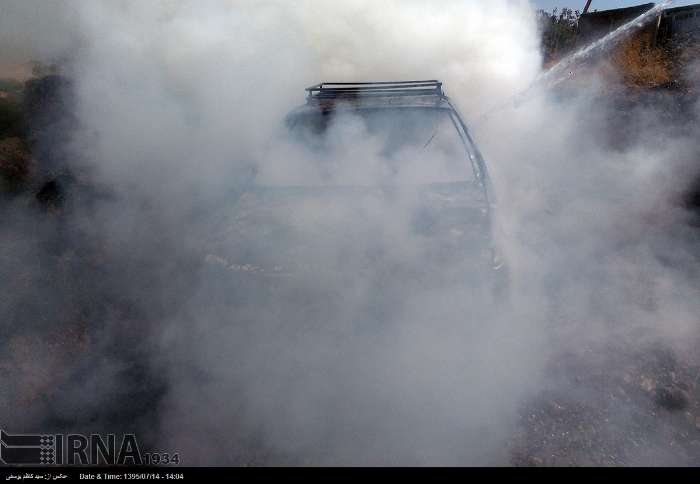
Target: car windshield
x,y
412,146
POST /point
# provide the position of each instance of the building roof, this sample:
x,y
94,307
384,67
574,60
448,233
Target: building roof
x,y
623,12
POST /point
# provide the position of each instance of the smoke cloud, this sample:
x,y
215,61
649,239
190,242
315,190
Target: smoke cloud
x,y
259,327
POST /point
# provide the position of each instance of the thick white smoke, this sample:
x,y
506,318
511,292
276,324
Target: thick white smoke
x,y
178,103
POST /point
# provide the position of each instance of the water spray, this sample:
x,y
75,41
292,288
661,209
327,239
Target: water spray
x,y
563,69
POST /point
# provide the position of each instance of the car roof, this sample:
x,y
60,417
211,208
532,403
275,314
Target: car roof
x,y
368,95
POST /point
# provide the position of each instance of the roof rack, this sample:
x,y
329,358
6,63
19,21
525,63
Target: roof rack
x,y
339,90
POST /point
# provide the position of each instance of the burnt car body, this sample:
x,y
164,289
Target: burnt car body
x,y
351,214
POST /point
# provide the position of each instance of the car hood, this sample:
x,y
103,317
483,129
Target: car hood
x,y
286,230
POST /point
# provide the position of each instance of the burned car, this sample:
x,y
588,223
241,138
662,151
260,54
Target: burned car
x,y
376,186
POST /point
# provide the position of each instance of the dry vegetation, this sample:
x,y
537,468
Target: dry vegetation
x,y
15,159
641,65
15,163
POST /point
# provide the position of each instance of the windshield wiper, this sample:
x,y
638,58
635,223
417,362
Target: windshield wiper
x,y
430,140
